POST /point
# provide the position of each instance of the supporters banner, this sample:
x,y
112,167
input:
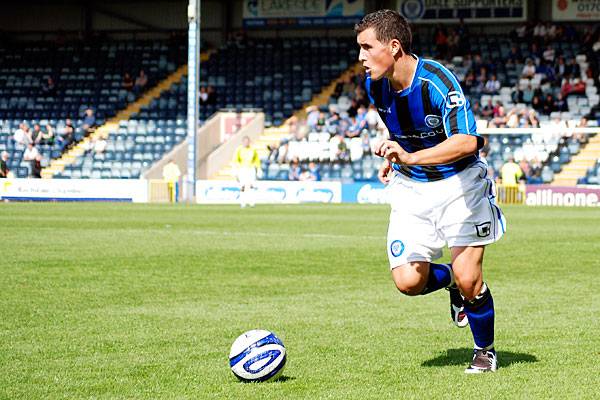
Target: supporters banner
x,y
294,13
129,190
576,10
488,11
565,196
365,193
273,192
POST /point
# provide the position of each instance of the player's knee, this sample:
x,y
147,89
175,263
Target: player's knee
x,y
407,280
469,287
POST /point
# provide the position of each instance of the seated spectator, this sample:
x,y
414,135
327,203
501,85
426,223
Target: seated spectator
x,y
49,88
67,136
476,109
527,95
22,135
203,96
30,153
492,86
311,174
36,167
340,148
36,134
366,144
514,56
212,96
89,122
560,68
573,68
528,69
488,109
561,104
4,165
312,117
537,104
295,170
48,136
140,82
127,82
549,105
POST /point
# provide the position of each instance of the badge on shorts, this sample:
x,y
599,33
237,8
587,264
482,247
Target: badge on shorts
x,y
484,230
397,248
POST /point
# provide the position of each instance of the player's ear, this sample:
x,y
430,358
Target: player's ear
x,y
396,48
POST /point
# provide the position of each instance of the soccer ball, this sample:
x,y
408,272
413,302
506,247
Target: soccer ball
x,y
257,356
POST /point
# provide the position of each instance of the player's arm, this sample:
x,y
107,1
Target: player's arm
x,y
452,149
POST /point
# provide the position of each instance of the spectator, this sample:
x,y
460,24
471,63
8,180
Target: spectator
x,y
312,117
140,82
4,165
30,153
22,135
68,135
212,96
36,135
527,95
561,104
49,88
488,109
537,104
514,57
36,167
311,174
511,172
560,68
127,82
372,117
89,122
48,136
492,86
549,105
295,170
203,96
528,70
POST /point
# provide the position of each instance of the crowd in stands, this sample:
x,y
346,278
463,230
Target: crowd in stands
x,y
545,80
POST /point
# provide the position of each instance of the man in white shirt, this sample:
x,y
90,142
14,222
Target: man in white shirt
x,y
30,153
22,135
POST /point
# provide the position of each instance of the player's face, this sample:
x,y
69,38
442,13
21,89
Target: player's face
x,y
376,57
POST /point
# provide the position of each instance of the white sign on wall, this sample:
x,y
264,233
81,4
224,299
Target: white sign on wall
x,y
128,190
228,192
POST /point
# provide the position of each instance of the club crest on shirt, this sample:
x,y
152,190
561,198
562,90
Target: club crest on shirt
x,y
397,248
484,229
433,121
455,99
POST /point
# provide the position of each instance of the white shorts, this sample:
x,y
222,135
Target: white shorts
x,y
246,176
427,216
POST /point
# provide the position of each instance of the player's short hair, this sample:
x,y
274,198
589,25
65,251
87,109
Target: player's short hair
x,y
388,25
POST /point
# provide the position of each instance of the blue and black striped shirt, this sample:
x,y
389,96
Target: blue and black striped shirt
x,y
431,110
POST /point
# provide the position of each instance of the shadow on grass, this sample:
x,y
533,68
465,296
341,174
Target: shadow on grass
x,y
464,355
285,378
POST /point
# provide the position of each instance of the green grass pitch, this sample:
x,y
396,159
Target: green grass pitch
x,y
126,301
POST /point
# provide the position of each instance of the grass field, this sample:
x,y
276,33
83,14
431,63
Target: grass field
x,y
143,301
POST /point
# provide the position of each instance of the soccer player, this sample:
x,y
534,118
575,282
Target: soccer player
x,y
439,192
248,166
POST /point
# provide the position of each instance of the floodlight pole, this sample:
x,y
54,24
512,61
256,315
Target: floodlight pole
x,y
192,95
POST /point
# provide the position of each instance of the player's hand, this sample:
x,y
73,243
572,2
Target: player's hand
x,y
392,151
384,172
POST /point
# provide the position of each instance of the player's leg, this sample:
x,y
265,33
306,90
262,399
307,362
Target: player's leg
x,y
243,196
422,277
479,305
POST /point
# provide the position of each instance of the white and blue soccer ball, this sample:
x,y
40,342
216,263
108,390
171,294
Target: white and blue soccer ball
x,y
257,356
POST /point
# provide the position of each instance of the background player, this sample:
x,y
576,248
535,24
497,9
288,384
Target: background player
x,y
440,194
248,163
